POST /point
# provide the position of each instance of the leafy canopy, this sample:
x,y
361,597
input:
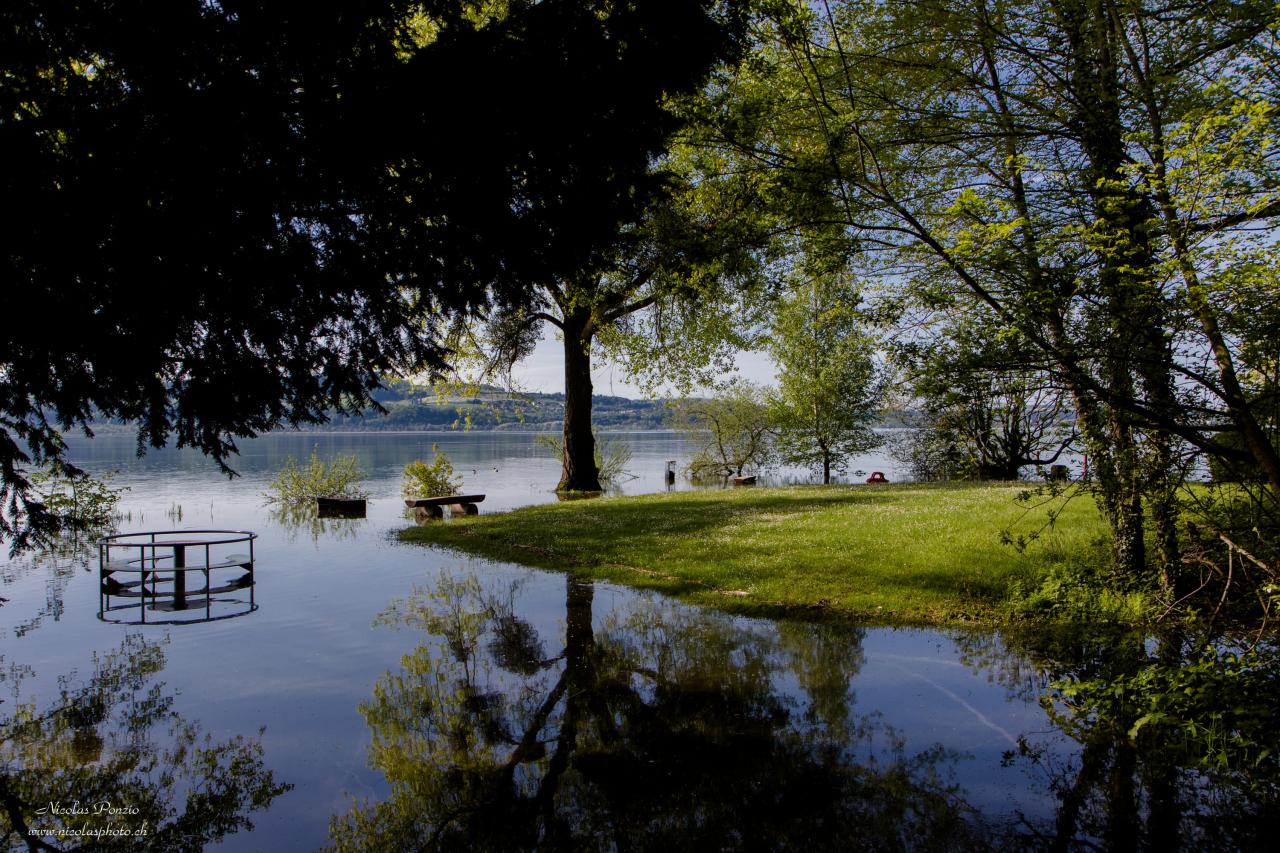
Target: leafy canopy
x,y
233,216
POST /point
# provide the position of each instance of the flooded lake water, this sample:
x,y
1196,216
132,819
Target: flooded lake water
x,y
415,697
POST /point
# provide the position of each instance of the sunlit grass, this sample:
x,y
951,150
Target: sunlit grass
x,y
899,553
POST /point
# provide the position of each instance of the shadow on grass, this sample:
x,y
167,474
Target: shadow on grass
x,y
686,545
548,535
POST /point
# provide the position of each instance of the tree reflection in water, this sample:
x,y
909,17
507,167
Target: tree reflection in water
x,y
664,729
1178,735
115,742
305,520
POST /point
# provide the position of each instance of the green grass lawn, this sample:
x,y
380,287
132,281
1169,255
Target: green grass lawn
x,y
899,553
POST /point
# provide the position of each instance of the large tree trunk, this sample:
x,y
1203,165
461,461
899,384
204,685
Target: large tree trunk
x,y
1137,353
579,473
1108,438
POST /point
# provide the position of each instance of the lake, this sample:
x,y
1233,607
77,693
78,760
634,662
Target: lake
x,y
398,690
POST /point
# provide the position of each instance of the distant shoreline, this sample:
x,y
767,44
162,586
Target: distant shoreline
x,y
126,429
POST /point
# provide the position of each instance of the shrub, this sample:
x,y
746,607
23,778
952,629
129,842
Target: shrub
x,y
339,478
1081,588
612,456
80,501
431,481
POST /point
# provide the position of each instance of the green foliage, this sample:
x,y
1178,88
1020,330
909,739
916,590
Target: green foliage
x,y
1186,717
828,392
431,480
82,502
337,478
1079,587
694,279
1175,726
731,432
612,455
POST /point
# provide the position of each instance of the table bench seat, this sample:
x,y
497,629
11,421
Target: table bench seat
x,y
137,565
433,507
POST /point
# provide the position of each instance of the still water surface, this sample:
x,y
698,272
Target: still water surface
x,y
400,689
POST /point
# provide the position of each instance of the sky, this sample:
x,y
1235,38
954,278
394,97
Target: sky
x,y
544,371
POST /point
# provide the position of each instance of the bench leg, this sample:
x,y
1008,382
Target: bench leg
x,y
464,509
425,512
179,578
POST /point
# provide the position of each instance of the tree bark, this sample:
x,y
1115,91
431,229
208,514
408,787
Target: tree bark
x,y
579,473
1137,353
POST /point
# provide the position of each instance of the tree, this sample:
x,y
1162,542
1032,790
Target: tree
x,y
1025,153
988,403
732,431
232,216
668,301
827,386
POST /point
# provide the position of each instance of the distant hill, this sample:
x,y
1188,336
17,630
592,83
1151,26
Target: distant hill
x,y
411,407
494,409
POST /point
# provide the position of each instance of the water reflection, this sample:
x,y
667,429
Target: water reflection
x,y
655,725
58,569
111,766
306,520
1178,743
664,727
805,700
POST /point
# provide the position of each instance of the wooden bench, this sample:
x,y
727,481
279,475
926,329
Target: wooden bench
x,y
340,507
434,507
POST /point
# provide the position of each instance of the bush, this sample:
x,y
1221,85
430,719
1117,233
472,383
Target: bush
x,y
1082,588
431,481
80,501
612,456
319,479
930,455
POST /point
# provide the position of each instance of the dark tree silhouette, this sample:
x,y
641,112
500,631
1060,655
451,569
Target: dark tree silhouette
x,y
224,217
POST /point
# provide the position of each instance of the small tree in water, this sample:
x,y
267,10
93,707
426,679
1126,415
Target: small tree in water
x,y
83,504
434,480
731,431
339,478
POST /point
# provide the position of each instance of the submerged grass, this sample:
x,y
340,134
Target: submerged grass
x,y
915,553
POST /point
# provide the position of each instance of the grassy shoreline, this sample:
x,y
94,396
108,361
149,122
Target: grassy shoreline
x,y
899,554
